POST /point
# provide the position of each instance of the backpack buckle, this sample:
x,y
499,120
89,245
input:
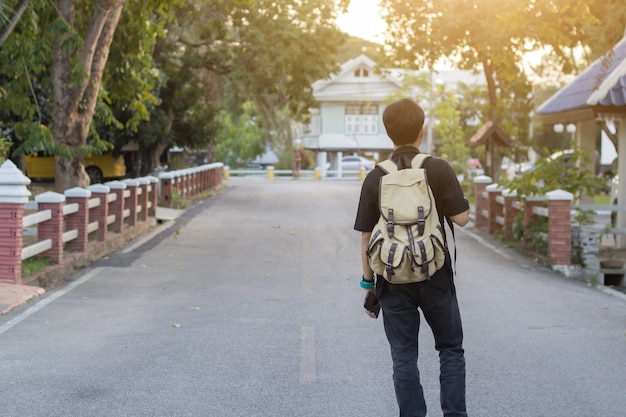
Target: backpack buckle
x,y
390,223
421,220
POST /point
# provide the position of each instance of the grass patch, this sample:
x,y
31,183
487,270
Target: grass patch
x,y
602,199
33,265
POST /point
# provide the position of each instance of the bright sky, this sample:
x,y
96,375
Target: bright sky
x,y
363,20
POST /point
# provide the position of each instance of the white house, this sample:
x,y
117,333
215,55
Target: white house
x,y
351,103
349,116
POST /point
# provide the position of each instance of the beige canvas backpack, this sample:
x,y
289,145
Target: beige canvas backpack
x,y
408,242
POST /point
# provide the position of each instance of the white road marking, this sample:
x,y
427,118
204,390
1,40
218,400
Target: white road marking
x,y
47,300
308,366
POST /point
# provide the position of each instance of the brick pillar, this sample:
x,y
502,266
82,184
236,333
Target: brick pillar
x,y
207,177
100,213
194,176
53,228
13,196
495,209
142,199
131,202
509,213
183,183
560,227
166,179
78,220
220,170
529,217
481,203
117,206
153,193
203,178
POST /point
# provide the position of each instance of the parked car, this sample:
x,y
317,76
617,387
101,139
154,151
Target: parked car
x,y
98,167
354,163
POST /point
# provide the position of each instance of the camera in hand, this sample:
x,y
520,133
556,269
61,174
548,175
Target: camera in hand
x,y
372,304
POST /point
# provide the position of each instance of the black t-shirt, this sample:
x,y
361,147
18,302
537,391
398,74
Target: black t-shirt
x,y
449,197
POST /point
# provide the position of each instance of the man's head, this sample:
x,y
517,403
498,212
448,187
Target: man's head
x,y
403,120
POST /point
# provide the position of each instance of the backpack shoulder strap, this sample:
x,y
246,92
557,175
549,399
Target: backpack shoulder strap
x,y
388,166
419,159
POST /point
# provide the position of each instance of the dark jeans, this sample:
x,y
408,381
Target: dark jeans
x,y
400,304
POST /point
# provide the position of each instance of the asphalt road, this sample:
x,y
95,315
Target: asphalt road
x,y
249,305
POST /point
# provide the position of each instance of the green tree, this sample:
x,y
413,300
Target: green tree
x,y
453,145
282,48
240,139
9,17
63,49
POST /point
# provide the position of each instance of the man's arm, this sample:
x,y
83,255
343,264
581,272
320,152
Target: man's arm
x,y
368,274
461,219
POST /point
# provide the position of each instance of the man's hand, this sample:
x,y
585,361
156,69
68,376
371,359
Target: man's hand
x,y
365,292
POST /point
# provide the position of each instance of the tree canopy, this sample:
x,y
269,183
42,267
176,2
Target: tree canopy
x,y
158,73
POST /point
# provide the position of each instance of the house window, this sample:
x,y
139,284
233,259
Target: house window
x,y
361,119
361,72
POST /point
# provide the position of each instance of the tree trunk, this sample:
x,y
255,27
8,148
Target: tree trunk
x,y
8,27
75,101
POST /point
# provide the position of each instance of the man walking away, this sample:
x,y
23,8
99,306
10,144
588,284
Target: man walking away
x,y
436,296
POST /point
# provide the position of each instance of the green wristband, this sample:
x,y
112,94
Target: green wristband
x,y
366,285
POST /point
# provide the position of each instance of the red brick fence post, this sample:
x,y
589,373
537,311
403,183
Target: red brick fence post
x,y
53,227
100,213
13,196
167,188
481,220
509,213
79,219
117,207
496,210
559,227
153,194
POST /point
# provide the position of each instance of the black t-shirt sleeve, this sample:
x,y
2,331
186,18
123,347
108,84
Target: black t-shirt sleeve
x,y
367,213
446,188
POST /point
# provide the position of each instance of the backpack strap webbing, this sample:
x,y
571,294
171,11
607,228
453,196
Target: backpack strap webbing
x,y
419,159
389,166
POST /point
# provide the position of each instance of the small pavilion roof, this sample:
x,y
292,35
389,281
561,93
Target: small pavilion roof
x,y
489,130
601,88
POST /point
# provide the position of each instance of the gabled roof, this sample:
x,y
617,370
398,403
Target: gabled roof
x,y
490,130
600,88
344,85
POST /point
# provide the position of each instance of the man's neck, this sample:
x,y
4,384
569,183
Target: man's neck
x,y
414,145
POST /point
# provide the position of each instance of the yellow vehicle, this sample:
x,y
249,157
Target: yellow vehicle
x,y
98,167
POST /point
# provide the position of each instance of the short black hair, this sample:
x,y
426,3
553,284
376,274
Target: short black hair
x,y
403,120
